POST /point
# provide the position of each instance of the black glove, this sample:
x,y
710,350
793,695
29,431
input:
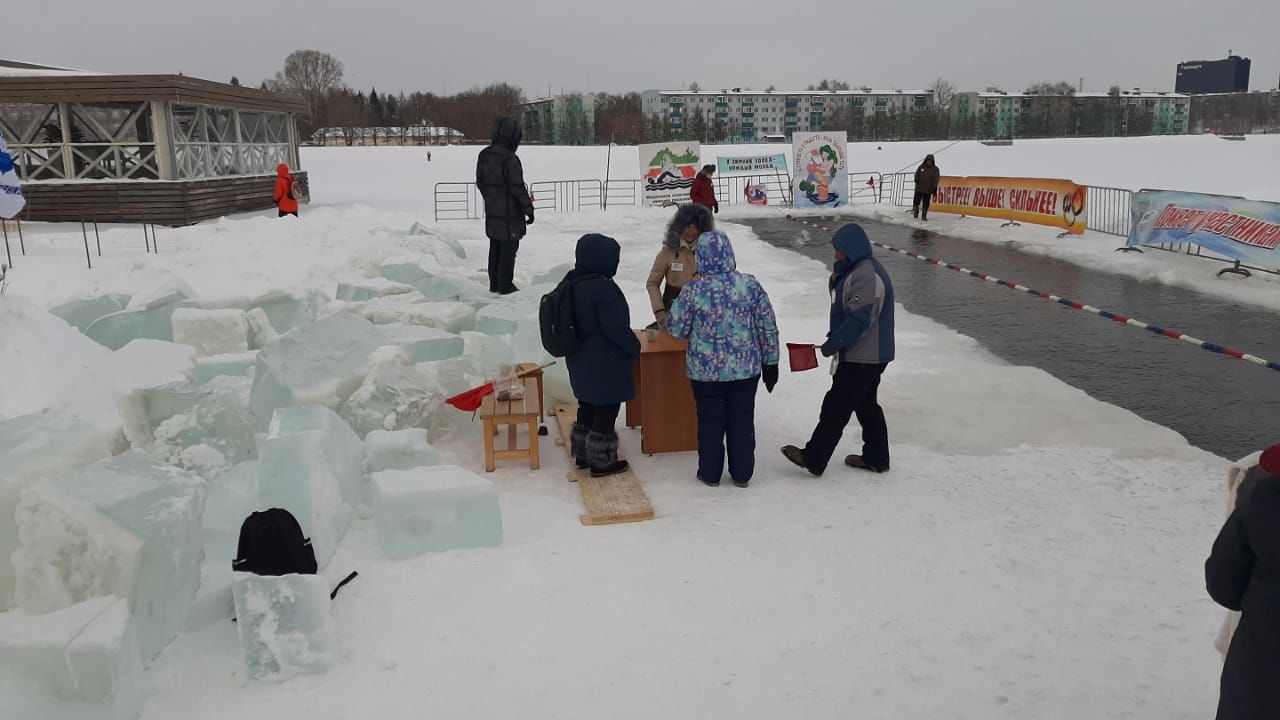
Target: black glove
x,y
770,376
528,219
827,351
717,208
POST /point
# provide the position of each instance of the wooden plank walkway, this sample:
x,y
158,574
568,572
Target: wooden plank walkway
x,y
615,499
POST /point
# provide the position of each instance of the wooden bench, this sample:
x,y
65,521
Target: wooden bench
x,y
534,372
526,411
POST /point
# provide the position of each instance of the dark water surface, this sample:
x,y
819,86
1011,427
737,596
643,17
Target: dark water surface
x,y
1223,405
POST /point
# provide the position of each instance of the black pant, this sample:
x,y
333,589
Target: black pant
x,y
726,412
283,213
502,264
598,418
922,203
853,390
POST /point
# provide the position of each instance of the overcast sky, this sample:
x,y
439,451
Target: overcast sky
x,y
448,45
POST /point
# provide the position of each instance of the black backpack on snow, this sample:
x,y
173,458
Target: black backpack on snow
x,y
272,543
555,318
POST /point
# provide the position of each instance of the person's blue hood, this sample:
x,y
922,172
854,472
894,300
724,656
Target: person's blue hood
x,y
715,254
598,255
852,241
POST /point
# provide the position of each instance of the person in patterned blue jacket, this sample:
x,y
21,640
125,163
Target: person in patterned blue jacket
x,y
733,341
861,338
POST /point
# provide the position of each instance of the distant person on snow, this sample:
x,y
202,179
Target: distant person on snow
x,y
861,339
600,371
507,206
1243,574
287,193
677,262
927,179
703,192
733,342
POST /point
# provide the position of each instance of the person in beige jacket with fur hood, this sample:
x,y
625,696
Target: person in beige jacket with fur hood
x,y
677,262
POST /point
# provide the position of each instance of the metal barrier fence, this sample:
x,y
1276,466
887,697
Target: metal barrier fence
x,y
567,195
898,188
865,188
623,192
458,201
1109,210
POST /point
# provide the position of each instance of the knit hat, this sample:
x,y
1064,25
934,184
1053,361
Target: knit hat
x,y
1270,461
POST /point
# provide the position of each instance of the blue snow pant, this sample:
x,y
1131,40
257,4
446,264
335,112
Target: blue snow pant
x,y
726,415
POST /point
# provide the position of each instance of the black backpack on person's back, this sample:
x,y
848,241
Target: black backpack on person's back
x,y
272,543
555,318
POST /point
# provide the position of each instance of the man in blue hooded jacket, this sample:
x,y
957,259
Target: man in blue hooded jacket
x,y
861,339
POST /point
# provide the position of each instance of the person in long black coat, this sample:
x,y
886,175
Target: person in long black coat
x,y
1243,573
600,370
508,210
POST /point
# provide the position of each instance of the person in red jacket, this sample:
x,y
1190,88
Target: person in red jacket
x,y
703,193
287,191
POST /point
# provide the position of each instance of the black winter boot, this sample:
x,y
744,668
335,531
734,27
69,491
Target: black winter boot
x,y
578,446
602,455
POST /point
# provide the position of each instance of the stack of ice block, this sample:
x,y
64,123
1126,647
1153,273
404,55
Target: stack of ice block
x,y
399,450
284,623
285,310
312,465
232,497
370,288
319,364
35,446
423,344
394,396
415,309
492,351
127,526
231,365
211,332
261,332
205,428
504,318
82,312
80,662
148,316
432,509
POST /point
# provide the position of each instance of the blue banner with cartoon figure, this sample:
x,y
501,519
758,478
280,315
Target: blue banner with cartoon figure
x,y
1232,227
11,200
820,170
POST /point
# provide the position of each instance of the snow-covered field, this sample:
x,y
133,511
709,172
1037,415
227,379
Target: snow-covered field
x,y
1034,553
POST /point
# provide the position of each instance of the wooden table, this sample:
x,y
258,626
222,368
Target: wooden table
x,y
526,411
663,408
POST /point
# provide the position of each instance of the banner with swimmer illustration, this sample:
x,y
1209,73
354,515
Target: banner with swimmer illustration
x,y
667,171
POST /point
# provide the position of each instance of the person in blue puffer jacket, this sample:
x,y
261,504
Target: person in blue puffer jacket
x,y
861,336
733,341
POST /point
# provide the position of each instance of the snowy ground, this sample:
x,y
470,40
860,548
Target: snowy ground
x,y
1033,554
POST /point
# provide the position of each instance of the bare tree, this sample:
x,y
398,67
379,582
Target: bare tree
x,y
1114,91
828,85
311,74
1051,88
694,86
942,91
